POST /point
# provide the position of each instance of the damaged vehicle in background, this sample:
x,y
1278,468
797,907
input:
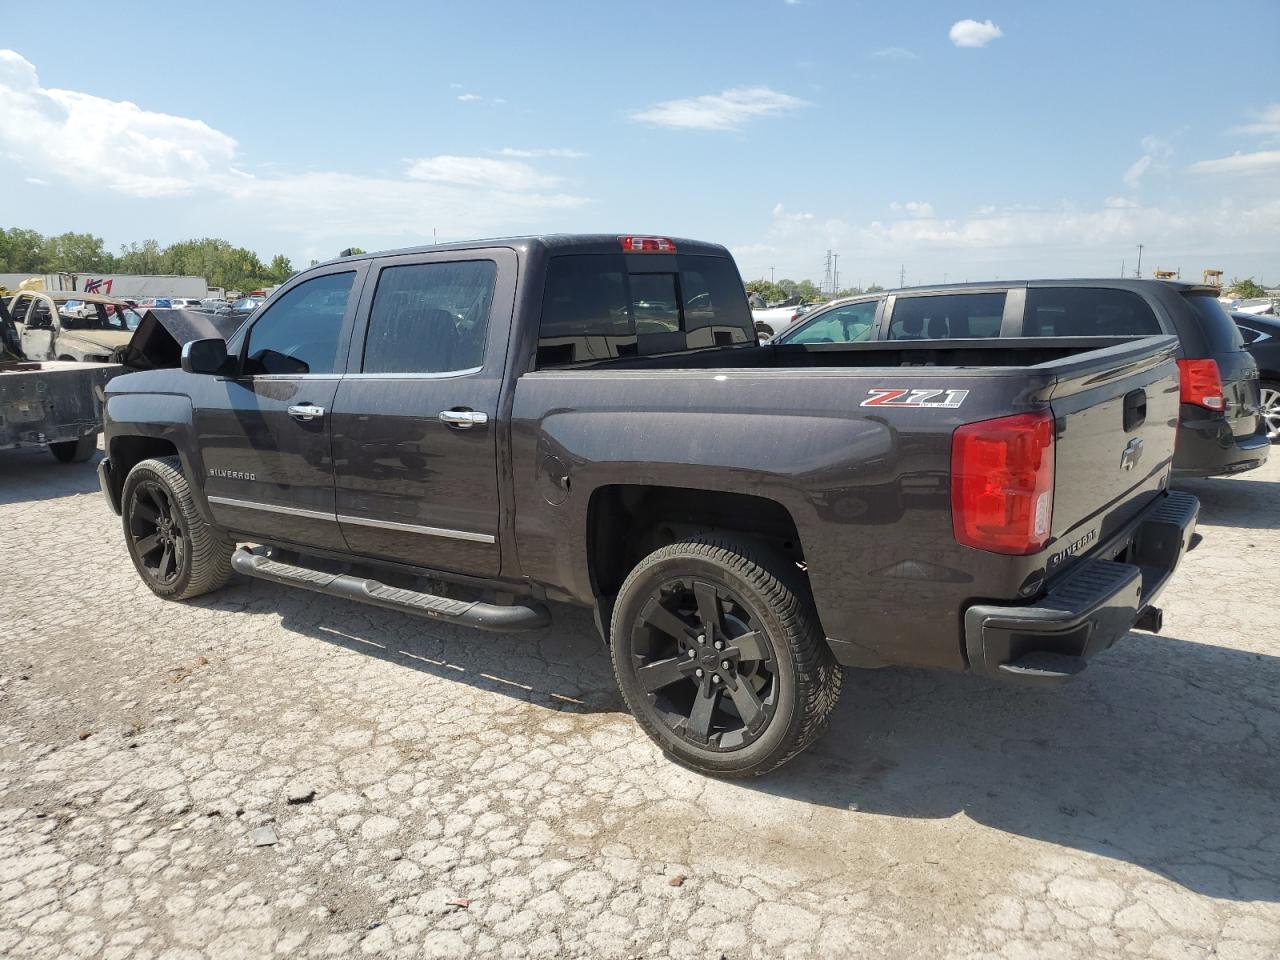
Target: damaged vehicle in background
x,y
55,403
68,325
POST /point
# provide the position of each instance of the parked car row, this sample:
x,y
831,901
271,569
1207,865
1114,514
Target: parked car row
x,y
1221,429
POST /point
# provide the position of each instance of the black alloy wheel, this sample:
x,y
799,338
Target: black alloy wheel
x,y
156,530
705,664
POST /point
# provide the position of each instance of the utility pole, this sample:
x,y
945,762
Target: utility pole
x,y
771,275
902,275
826,276
1139,261
1121,269
835,276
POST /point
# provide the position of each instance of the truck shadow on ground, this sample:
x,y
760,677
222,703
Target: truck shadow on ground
x,y
1235,502
31,469
1164,757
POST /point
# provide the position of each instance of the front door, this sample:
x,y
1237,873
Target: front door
x,y
415,426
265,432
37,321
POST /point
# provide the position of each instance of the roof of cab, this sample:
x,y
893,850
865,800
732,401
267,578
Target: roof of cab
x,y
556,243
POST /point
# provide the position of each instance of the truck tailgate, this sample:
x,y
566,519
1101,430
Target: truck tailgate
x,y
1116,424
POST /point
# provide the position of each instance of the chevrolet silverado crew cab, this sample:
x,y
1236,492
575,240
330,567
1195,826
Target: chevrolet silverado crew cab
x,y
592,420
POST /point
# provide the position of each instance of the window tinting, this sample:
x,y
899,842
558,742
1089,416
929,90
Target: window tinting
x,y
597,306
430,317
1087,312
1221,334
848,324
953,316
299,333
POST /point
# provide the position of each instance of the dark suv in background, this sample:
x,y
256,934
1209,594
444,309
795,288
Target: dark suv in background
x,y
1220,426
1262,339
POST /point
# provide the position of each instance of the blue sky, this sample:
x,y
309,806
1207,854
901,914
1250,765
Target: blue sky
x,y
959,140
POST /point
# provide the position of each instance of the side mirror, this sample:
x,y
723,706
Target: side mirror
x,y
204,356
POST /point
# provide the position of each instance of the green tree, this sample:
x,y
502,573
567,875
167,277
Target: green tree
x,y
22,251
770,291
280,268
147,257
1246,289
76,253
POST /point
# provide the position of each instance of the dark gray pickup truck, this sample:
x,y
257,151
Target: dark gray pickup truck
x,y
591,420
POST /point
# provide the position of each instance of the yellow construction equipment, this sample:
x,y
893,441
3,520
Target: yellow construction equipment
x,y
1214,278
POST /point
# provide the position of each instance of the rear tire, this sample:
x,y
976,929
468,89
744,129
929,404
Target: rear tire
x,y
1269,396
718,654
176,553
75,451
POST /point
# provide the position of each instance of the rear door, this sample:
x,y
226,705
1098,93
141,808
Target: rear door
x,y
415,431
950,315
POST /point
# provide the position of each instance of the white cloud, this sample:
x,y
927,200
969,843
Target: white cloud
x,y
974,33
719,111
97,143
455,86
1011,241
36,181
1155,152
780,213
479,172
1260,161
918,209
1266,122
106,143
469,97
561,153
1137,170
895,53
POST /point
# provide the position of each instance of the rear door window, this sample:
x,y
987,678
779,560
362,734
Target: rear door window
x,y
1220,331
600,306
952,316
430,317
1087,312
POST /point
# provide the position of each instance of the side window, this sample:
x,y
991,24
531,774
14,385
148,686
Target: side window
x,y
595,307
952,316
1249,334
299,334
39,314
19,309
586,313
430,317
1087,312
850,324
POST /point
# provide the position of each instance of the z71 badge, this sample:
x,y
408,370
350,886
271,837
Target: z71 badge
x,y
895,397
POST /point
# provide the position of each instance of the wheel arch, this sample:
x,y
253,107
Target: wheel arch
x,y
627,522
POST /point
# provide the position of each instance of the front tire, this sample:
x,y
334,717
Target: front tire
x,y
718,654
75,451
176,553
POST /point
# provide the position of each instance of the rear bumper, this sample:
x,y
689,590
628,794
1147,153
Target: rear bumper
x,y
1207,448
1095,604
108,487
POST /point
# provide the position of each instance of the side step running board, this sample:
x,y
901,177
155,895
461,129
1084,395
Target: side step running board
x,y
486,616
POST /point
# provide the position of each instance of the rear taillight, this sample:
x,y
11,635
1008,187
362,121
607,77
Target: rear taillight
x,y
1201,383
1002,483
647,245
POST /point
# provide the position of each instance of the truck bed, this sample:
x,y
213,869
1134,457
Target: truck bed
x,y
866,481
51,401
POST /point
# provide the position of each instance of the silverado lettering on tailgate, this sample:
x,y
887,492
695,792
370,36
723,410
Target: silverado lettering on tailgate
x,y
902,397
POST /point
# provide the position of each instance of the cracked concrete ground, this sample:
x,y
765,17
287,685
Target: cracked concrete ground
x,y
436,792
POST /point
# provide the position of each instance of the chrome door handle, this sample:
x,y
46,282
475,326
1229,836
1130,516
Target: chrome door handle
x,y
463,419
306,412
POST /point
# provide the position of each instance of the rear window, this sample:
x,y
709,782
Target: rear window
x,y
953,316
1220,332
1087,312
600,306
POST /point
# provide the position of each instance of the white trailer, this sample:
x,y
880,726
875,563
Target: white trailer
x,y
125,285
